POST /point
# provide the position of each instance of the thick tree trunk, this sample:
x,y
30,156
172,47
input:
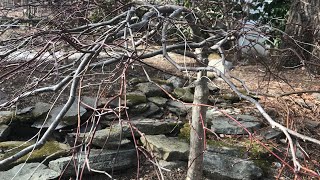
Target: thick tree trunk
x,y
197,137
303,34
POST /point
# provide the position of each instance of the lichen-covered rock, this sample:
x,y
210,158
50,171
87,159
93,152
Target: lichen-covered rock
x,y
153,109
150,89
70,118
173,164
30,171
159,101
225,125
136,97
144,125
178,108
220,166
6,116
176,81
166,148
48,149
93,101
102,160
184,94
139,108
41,109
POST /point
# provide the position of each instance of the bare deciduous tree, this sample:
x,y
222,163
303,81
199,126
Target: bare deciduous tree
x,y
67,51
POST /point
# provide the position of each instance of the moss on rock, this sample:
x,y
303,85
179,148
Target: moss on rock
x,y
185,132
48,149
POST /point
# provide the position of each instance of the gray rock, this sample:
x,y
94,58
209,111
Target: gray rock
x,y
40,109
53,149
112,135
229,151
103,160
184,94
270,133
167,88
30,171
225,125
176,81
139,108
134,81
153,109
70,118
178,108
150,89
219,166
212,113
159,101
150,126
4,131
136,97
92,101
6,116
172,164
102,137
25,111
166,148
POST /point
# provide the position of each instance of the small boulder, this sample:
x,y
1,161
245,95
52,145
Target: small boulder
x,y
70,118
92,101
159,101
153,109
6,116
225,125
220,166
102,160
136,97
270,133
150,89
184,94
112,135
178,108
30,171
166,148
48,149
176,81
172,164
40,109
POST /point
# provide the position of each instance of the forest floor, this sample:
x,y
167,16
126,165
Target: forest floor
x,y
291,109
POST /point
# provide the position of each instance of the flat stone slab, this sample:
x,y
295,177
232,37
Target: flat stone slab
x,y
173,164
178,108
30,171
159,101
150,89
102,160
166,148
148,126
6,116
50,148
70,117
223,167
225,125
270,133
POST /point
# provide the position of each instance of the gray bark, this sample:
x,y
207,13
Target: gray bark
x,y
197,136
302,35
